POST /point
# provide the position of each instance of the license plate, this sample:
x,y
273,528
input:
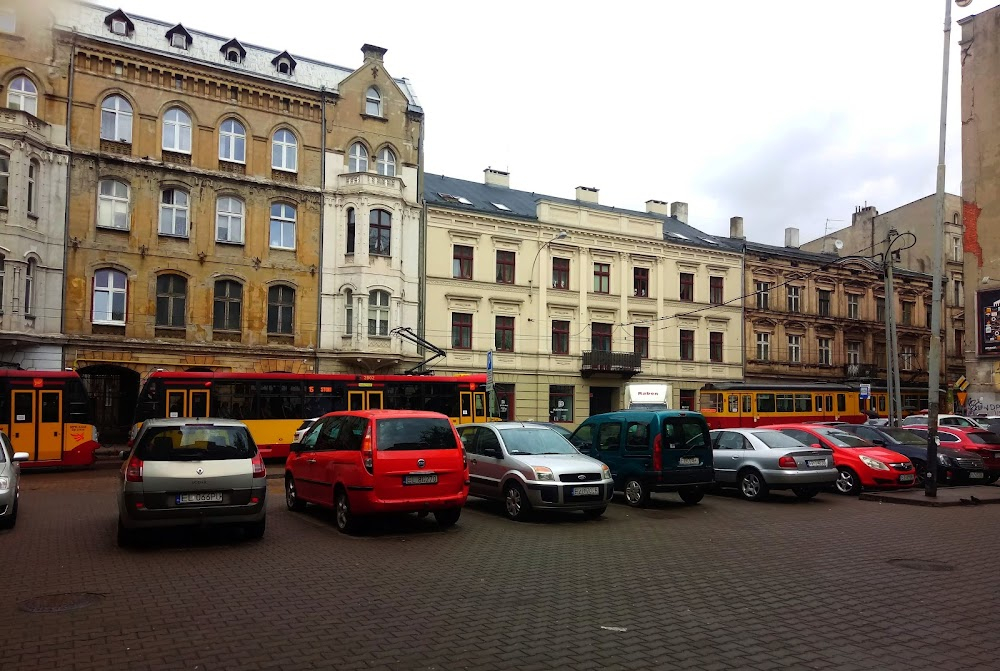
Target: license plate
x,y
906,478
586,491
422,479
213,497
816,463
689,461
976,475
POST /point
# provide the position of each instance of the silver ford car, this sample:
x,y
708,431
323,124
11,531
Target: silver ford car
x,y
531,467
10,481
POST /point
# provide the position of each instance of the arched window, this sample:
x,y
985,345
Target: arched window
x,y
378,313
228,306
379,233
373,102
171,297
113,205
177,131
280,310
348,311
357,159
33,170
174,212
110,295
282,226
116,119
4,178
284,151
29,288
22,95
232,141
385,164
350,230
229,220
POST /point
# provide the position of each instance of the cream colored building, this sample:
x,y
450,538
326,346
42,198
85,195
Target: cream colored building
x,y
577,299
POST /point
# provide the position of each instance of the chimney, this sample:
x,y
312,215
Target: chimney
x,y
863,215
586,194
736,228
373,53
792,238
496,177
658,207
679,211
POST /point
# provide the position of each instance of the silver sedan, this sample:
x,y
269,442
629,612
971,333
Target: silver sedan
x,y
759,460
10,481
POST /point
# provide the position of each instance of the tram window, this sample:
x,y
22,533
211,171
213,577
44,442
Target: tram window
x,y
23,408
765,402
803,403
881,403
786,403
712,401
176,407
747,404
280,400
829,403
819,404
841,403
234,400
50,407
734,403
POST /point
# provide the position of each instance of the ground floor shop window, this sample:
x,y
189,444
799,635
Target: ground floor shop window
x,y
504,402
687,399
560,403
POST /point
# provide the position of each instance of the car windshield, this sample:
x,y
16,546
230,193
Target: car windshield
x,y
777,439
983,437
904,436
195,442
532,440
415,433
843,439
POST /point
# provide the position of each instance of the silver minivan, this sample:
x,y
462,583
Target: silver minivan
x,y
191,472
531,467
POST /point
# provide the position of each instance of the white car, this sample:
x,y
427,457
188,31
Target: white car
x,y
301,431
943,420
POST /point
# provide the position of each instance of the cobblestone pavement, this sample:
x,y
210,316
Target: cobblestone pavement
x,y
723,585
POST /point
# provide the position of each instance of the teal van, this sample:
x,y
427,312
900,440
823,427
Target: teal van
x,y
651,451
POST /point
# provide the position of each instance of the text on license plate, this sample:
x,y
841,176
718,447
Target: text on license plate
x,y
976,475
906,478
206,497
689,461
586,491
422,479
815,462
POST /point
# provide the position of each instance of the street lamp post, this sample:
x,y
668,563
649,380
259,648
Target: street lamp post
x,y
561,235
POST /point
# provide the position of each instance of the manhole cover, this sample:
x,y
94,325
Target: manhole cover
x,y
60,603
922,564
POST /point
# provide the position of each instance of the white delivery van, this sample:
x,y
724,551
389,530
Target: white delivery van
x,y
649,396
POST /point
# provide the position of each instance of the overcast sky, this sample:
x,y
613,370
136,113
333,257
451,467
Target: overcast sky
x,y
784,112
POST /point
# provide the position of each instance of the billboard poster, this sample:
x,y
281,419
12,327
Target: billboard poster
x,y
989,322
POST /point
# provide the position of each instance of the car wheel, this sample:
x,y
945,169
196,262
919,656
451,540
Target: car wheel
x,y
691,496
255,530
346,521
636,494
805,493
292,499
991,478
515,502
921,473
594,513
448,517
848,482
752,486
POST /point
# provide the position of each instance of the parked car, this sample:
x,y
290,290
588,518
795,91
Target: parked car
x,y
651,451
955,466
943,420
10,481
191,472
303,427
756,461
533,467
989,422
366,462
985,444
558,428
860,464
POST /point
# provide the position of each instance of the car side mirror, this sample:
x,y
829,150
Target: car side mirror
x,y
816,445
492,452
20,456
123,455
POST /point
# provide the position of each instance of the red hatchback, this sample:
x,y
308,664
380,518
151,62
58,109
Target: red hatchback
x,y
984,443
861,464
366,462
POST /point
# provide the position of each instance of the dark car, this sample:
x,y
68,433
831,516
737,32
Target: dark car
x,y
955,466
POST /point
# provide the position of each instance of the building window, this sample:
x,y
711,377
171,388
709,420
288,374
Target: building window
x,y
3,264
348,312
560,337
282,226
385,163
715,290
794,304
171,295
178,40
227,306
174,213
959,333
600,337
29,287
119,27
824,303
350,230
560,403
116,119
715,349
379,232
854,352
794,349
33,169
687,399
505,394
280,310
373,102
908,308
284,151
378,313
461,331
880,309
907,357
357,158
927,314
853,306
22,95
113,205
687,345
233,55
824,351
232,141
640,282
461,262
764,346
959,293
602,278
8,20
110,293
687,287
504,337
177,130
505,267
763,295
956,249
560,273
4,178
229,220
642,341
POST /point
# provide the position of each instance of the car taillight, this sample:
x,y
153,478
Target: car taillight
x,y
658,453
258,466
133,472
787,462
367,454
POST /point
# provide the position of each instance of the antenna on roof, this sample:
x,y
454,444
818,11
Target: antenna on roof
x,y
826,229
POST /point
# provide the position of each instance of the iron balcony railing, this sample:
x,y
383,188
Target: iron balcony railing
x,y
626,364
860,371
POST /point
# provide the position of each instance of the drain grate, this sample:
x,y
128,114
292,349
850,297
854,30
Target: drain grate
x,y
922,564
60,603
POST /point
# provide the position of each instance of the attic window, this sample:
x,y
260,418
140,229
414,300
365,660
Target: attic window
x,y
233,55
709,241
464,201
447,197
284,67
501,206
119,27
677,235
178,40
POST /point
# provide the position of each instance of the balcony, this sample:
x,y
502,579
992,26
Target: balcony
x,y
860,371
371,183
624,364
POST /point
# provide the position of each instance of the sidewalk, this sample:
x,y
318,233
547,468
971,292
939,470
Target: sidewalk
x,y
946,496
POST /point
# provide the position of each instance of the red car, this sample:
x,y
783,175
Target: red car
x,y
365,462
984,443
861,464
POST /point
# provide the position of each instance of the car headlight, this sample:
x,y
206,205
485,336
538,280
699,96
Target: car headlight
x,y
543,473
605,472
4,484
873,463
944,460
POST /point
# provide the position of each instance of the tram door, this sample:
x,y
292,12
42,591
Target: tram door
x,y
364,400
187,403
473,407
36,423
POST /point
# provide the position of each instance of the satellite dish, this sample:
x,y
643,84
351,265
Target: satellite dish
x,y
839,244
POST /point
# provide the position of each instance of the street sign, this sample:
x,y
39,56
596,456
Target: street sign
x,y
962,397
866,390
961,384
489,371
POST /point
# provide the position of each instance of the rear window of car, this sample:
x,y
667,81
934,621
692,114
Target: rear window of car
x,y
685,433
983,438
195,443
777,439
905,436
414,433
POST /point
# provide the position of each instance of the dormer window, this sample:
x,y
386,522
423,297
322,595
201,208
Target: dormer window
x,y
233,56
284,67
179,41
284,63
233,51
119,23
119,27
179,37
